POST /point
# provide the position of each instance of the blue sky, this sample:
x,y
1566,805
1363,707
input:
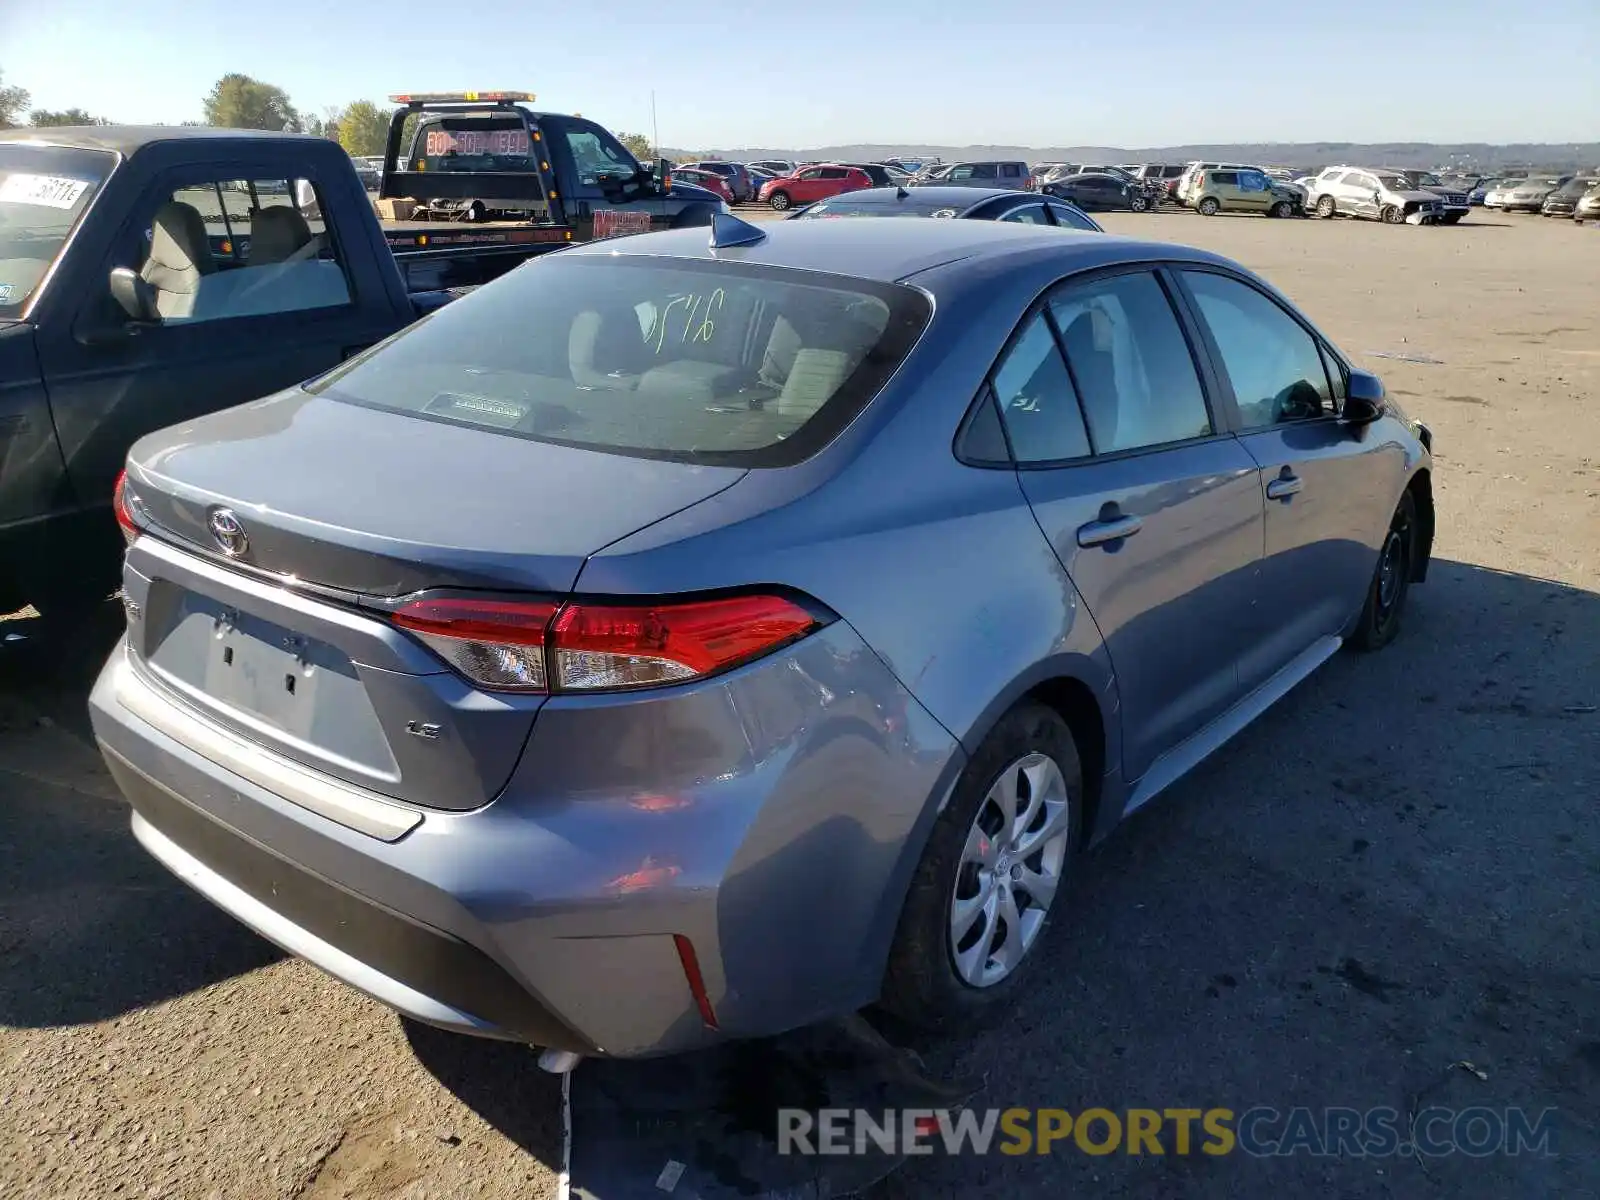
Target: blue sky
x,y
825,72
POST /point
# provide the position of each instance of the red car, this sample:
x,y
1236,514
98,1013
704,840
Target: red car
x,y
810,184
709,180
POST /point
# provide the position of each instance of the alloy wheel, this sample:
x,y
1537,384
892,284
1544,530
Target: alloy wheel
x,y
1010,870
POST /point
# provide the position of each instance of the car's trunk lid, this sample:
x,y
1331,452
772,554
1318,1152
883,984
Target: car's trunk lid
x,y
286,643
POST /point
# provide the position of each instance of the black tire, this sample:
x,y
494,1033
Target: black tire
x,y
1391,214
780,201
1138,202
1326,207
1453,218
921,984
1283,210
1208,206
474,212
1380,617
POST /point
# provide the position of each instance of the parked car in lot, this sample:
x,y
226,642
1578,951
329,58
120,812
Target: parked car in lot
x,y
1528,195
1499,192
1216,191
1588,206
982,175
714,182
1376,195
1456,202
1563,202
776,167
810,184
880,175
1166,174
738,177
1100,192
971,204
863,615
1191,173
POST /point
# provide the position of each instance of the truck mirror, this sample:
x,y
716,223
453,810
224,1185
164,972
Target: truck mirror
x,y
663,174
136,297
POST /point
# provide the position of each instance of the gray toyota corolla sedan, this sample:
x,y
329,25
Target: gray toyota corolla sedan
x,y
688,637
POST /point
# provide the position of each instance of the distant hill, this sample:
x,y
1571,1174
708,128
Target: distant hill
x,y
1472,156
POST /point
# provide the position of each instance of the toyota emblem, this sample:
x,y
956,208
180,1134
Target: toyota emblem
x,y
230,535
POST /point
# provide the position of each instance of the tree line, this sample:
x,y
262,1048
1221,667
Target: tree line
x,y
238,101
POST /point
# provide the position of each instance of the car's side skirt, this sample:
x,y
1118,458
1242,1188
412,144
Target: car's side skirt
x,y
1184,757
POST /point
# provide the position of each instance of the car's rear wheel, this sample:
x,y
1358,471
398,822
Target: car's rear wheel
x,y
779,201
1326,207
981,901
1282,210
1379,621
1208,206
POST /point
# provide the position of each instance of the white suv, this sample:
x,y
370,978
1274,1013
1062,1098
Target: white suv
x,y
1376,195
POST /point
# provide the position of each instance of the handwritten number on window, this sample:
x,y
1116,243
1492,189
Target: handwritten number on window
x,y
698,325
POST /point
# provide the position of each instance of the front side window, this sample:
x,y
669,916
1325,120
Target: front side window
x,y
221,249
1273,364
44,192
1036,398
702,362
1130,363
956,173
1029,214
1249,181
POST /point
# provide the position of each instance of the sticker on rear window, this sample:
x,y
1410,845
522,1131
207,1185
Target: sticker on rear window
x,y
48,191
5,293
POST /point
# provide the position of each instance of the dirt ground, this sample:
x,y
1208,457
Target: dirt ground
x,y
1395,870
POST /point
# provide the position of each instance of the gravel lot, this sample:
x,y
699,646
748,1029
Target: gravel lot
x,y
1395,870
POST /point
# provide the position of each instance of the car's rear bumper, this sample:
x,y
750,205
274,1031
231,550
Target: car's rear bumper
x,y
771,817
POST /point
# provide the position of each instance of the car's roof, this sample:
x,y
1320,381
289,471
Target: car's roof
x,y
889,251
955,197
129,139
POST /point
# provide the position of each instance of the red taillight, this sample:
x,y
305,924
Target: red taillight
x,y
613,646
124,510
537,645
496,643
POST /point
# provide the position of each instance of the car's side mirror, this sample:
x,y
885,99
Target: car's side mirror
x,y
663,175
134,296
1364,400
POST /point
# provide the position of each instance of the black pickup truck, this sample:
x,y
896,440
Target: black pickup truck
x,y
150,275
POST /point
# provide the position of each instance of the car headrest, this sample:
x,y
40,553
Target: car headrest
x,y
180,249
276,233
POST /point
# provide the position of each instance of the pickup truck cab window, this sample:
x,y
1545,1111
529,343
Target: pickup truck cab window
x,y
596,153
216,250
44,192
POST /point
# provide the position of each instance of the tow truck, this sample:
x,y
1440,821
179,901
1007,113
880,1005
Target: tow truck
x,y
149,275
477,156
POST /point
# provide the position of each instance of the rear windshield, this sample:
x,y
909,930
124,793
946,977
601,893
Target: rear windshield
x,y
44,191
700,362
472,144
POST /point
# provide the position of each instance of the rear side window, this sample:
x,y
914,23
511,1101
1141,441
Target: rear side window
x,y
1225,178
1012,170
1130,363
700,362
1036,398
983,171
